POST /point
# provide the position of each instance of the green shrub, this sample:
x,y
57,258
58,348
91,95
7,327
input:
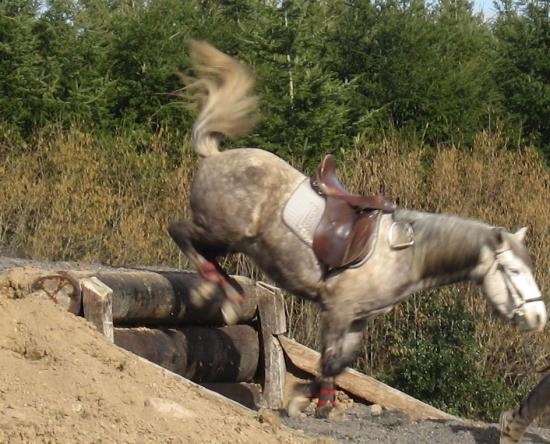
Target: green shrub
x,y
438,362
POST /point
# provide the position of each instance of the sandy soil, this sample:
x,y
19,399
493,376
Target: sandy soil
x,y
62,382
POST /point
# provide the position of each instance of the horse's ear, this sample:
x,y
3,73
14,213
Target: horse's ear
x,y
520,234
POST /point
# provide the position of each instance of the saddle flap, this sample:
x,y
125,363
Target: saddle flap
x,y
332,233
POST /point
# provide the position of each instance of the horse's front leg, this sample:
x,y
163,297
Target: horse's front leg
x,y
202,253
514,423
340,337
322,390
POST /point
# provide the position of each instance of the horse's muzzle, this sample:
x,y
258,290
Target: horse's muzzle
x,y
532,315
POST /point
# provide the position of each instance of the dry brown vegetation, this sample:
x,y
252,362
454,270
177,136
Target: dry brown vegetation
x,y
69,195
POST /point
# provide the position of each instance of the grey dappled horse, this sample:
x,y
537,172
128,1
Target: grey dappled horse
x,y
238,198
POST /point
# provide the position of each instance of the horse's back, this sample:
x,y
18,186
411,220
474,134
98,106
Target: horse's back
x,y
239,191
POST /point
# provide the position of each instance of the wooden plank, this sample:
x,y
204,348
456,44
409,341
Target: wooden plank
x,y
361,385
271,305
271,310
97,301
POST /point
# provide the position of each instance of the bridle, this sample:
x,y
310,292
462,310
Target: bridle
x,y
513,291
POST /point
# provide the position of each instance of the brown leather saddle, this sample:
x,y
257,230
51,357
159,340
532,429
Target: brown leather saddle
x,y
347,230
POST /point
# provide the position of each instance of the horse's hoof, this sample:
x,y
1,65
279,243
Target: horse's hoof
x,y
510,430
203,292
297,405
230,313
324,411
329,411
232,294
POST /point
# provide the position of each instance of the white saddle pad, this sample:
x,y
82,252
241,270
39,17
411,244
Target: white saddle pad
x,y
303,211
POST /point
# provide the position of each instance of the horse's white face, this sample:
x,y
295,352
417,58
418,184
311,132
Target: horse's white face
x,y
510,286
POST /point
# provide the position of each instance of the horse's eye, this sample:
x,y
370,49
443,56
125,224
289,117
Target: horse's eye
x,y
514,271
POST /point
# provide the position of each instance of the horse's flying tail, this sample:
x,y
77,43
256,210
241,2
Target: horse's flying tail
x,y
222,95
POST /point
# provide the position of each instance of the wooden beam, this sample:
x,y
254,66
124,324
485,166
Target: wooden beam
x,y
362,386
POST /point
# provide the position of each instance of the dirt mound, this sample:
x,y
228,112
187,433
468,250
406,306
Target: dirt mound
x,y
61,381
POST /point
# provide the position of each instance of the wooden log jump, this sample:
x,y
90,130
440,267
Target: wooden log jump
x,y
226,355
162,299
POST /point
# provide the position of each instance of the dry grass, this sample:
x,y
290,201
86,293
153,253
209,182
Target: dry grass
x,y
69,195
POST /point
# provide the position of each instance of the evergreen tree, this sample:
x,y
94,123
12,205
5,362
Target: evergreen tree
x,y
419,68
305,104
523,66
21,88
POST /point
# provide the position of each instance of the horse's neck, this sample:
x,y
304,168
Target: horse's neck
x,y
447,249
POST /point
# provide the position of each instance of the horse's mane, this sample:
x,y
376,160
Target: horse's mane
x,y
445,243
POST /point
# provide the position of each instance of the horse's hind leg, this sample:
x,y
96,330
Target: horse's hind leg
x,y
202,252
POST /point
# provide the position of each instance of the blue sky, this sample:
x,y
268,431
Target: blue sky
x,y
486,6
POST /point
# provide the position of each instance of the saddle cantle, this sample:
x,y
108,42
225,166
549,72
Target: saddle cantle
x,y
345,233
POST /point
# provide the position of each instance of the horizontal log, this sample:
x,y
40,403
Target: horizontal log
x,y
362,386
201,388
201,354
153,298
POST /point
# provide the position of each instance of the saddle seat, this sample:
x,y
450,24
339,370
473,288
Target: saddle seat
x,y
347,229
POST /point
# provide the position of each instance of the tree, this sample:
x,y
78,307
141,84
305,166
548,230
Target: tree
x,y
421,69
305,105
20,85
523,66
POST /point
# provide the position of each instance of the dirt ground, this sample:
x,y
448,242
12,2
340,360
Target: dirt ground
x,y
62,382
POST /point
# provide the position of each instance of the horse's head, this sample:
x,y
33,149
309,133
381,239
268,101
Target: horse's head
x,y
508,281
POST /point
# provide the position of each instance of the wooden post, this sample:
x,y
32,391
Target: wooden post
x,y
271,310
362,385
97,300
